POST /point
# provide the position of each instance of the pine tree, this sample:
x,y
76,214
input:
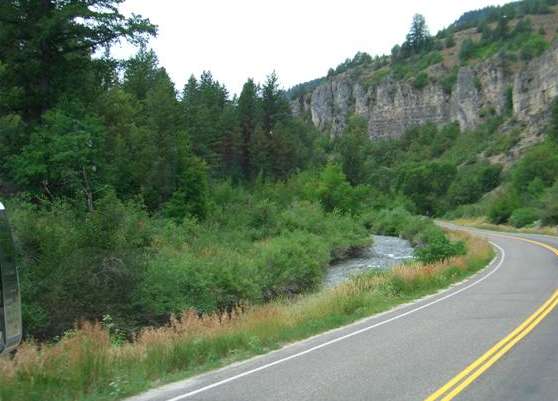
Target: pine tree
x,y
55,40
274,104
248,110
418,38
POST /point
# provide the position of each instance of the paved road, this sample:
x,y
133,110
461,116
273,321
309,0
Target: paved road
x,y
409,353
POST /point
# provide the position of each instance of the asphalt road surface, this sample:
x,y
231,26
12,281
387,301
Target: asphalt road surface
x,y
505,313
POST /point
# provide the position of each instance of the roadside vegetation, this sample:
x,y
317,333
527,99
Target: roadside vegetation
x,y
91,362
528,195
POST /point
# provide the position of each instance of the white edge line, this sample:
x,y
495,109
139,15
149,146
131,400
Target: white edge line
x,y
338,339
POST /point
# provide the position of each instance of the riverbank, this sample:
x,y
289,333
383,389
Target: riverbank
x,y
87,365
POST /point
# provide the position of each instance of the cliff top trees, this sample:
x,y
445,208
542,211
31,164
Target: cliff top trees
x,y
418,39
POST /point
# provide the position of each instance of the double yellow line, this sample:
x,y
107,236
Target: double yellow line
x,y
461,381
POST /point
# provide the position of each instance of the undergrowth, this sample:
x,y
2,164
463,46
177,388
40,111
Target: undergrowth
x,y
87,364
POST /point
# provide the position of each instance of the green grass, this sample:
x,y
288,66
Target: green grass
x,y
85,365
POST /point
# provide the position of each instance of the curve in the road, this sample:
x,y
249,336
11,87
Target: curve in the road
x,y
415,353
346,336
472,372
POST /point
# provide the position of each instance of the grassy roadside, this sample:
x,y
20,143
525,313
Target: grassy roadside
x,y
483,224
87,365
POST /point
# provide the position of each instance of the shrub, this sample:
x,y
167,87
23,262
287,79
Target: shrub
x,y
437,247
502,208
533,47
76,263
540,162
472,182
335,192
524,216
291,263
449,80
467,50
550,203
421,81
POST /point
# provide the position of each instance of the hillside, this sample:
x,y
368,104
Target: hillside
x,y
495,62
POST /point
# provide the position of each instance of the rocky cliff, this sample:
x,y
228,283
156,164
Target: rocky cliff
x,y
391,106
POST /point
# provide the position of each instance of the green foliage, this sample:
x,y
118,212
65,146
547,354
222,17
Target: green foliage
x,y
418,39
359,59
502,208
354,148
509,100
524,216
472,182
550,205
425,184
421,80
552,130
136,203
450,42
449,80
77,263
495,13
467,50
190,199
541,162
533,47
411,66
57,39
335,192
436,247
63,156
521,40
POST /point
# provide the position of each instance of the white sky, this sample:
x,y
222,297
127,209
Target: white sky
x,y
300,39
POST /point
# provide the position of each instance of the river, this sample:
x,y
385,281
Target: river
x,y
384,253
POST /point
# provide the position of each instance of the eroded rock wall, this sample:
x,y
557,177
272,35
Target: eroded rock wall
x,y
393,106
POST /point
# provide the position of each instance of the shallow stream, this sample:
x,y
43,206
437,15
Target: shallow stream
x,y
385,253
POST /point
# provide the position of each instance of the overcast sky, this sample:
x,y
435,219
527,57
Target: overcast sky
x,y
300,39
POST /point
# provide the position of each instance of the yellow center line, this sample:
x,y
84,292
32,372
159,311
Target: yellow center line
x,y
478,367
498,355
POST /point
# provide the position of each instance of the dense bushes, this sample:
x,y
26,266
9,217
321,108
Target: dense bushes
x,y
253,245
524,216
472,182
504,40
528,196
76,263
87,364
550,205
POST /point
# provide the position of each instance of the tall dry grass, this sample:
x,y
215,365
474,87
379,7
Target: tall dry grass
x,y
85,365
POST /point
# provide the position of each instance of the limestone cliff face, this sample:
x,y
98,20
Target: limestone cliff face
x,y
392,106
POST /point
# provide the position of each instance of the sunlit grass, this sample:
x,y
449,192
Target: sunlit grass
x,y
85,365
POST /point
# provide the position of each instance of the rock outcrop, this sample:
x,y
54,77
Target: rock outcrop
x,y
392,106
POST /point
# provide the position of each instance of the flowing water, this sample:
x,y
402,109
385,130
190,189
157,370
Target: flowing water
x,y
384,253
